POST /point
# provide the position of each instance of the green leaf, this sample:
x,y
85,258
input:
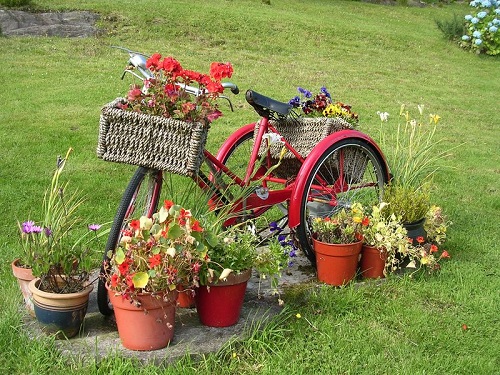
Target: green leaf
x,y
119,256
140,279
212,239
174,231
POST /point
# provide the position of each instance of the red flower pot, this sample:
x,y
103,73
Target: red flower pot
x,y
185,298
148,327
219,305
372,262
336,264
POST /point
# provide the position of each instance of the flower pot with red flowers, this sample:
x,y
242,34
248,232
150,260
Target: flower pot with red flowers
x,y
154,256
337,242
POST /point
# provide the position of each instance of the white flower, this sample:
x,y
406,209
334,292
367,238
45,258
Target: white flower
x,y
171,251
146,222
383,115
225,273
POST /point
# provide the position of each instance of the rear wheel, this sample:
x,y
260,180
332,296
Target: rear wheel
x,y
348,171
140,198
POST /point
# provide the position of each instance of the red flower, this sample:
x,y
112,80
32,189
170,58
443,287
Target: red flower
x,y
135,224
172,66
123,267
134,94
188,107
214,115
445,254
153,63
420,239
215,87
183,216
196,226
220,70
190,75
366,221
114,280
130,282
433,249
154,261
167,204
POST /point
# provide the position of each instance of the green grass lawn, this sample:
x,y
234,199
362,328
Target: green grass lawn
x,y
372,56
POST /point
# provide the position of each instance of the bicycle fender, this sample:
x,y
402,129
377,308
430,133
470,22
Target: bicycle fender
x,y
312,158
232,139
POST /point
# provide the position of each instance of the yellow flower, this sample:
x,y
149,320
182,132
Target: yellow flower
x,y
434,118
298,316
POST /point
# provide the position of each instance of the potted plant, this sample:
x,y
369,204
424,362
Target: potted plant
x,y
337,242
154,257
59,254
414,156
232,255
384,239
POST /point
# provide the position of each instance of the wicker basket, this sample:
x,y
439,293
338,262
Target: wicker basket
x,y
150,141
303,134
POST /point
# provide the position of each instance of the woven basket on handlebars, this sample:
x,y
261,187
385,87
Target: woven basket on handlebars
x,y
150,141
305,133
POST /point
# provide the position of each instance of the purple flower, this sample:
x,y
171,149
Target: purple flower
x,y
27,226
273,227
36,229
47,231
294,102
325,91
94,227
305,92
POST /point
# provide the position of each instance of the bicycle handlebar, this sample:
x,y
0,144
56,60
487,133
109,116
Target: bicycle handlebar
x,y
138,60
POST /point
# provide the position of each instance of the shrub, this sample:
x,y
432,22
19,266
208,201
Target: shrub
x,y
482,34
15,3
452,29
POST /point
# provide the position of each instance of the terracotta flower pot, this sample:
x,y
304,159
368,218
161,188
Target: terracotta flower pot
x,y
185,298
219,305
372,263
336,264
61,314
24,276
149,327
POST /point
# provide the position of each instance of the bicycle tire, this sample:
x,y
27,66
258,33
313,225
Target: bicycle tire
x,y
364,186
137,200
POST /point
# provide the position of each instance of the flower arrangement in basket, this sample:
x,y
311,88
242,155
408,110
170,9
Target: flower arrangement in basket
x,y
344,227
163,125
166,93
322,105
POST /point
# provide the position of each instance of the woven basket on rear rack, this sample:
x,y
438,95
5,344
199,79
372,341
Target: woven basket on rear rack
x,y
150,141
305,133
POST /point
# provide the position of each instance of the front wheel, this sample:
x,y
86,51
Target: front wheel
x,y
350,170
140,198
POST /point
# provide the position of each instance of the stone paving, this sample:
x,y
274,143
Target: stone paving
x,y
100,336
78,24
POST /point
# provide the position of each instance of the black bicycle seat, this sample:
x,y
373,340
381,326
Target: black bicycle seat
x,y
264,105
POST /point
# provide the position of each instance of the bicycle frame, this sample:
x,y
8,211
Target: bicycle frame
x,y
256,203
